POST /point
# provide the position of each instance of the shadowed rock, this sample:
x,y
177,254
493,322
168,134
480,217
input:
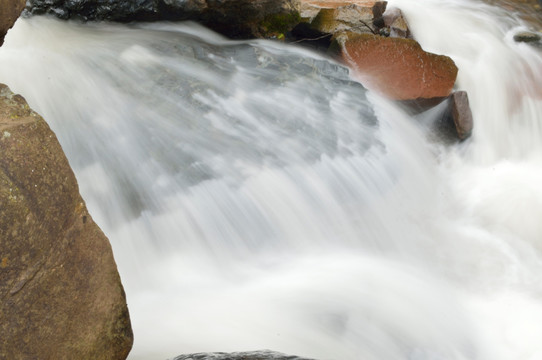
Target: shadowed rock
x,y
233,18
61,296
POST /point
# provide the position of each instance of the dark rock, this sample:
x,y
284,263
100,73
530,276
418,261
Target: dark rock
x,y
9,12
395,67
531,38
233,18
527,37
60,289
253,355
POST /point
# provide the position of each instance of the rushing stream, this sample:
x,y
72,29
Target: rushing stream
x,y
258,198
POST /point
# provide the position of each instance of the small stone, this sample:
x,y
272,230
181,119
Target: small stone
x,y
527,37
396,22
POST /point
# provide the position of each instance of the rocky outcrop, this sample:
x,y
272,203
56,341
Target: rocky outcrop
x,y
61,296
397,68
233,18
9,12
375,43
252,355
333,17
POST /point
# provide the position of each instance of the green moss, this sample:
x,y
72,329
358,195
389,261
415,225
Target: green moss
x,y
279,24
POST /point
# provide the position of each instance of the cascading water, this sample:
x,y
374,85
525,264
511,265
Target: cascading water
x,y
256,197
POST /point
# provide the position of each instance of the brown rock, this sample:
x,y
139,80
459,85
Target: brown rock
x,y
397,68
461,114
359,17
9,12
61,296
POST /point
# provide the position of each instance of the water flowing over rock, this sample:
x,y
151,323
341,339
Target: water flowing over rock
x,y
9,12
397,68
233,18
252,355
60,290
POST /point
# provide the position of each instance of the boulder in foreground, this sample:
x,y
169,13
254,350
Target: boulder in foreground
x,y
61,293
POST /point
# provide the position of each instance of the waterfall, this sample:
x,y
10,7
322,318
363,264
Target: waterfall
x,y
256,197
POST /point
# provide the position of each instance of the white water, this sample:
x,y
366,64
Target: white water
x,y
253,202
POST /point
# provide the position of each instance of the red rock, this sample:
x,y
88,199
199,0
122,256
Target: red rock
x,y
397,68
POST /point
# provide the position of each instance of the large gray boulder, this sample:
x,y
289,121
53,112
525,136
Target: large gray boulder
x,y
61,295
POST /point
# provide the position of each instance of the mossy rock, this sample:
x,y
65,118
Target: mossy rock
x,y
279,24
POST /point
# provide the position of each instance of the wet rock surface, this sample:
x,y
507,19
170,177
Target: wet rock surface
x,y
60,289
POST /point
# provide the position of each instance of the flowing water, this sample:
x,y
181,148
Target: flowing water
x,y
258,198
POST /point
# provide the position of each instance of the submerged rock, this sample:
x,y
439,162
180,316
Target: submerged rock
x,y
60,289
397,68
9,12
252,355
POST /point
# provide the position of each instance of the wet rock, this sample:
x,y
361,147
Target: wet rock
x,y
397,68
9,12
60,289
233,18
531,38
252,355
460,114
527,36
396,23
